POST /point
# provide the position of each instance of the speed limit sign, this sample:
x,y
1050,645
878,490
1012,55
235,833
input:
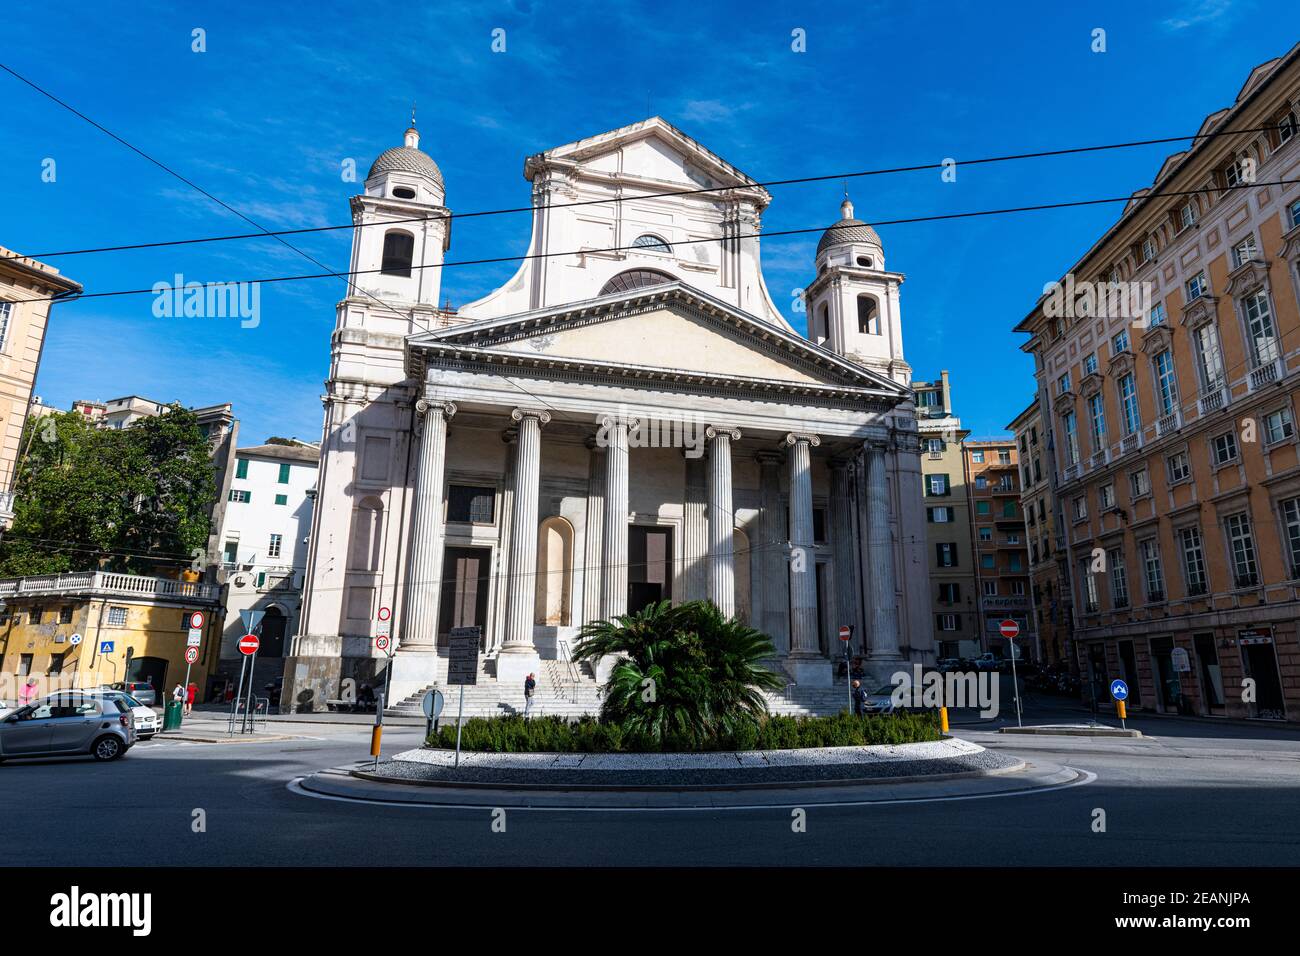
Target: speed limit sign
x,y
381,642
191,655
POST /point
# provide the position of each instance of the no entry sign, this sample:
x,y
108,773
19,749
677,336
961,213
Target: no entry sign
x,y
248,644
1009,629
846,633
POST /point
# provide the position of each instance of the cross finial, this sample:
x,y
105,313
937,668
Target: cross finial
x,y
412,112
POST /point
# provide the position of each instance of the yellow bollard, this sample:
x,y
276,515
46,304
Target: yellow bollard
x,y
1123,711
943,719
376,732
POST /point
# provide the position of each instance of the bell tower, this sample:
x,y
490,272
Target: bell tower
x,y
402,235
853,304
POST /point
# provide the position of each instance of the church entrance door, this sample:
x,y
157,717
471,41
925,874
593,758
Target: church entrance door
x,y
650,566
464,598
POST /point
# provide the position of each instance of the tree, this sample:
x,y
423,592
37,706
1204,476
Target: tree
x,y
121,499
686,675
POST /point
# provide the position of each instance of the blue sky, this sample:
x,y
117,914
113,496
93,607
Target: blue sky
x,y
281,97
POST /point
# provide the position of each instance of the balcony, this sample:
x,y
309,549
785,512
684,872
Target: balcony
x,y
1131,443
97,583
1100,458
1168,424
1212,401
1070,474
6,509
1264,375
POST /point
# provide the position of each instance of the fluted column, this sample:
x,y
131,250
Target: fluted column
x,y
803,568
773,591
613,550
848,595
883,636
695,530
722,520
424,566
521,592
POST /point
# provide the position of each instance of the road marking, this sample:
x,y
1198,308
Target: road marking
x,y
1085,777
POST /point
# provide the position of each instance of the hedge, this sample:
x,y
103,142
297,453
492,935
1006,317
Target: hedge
x,y
514,734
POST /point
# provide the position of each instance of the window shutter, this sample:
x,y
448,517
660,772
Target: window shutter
x,y
241,468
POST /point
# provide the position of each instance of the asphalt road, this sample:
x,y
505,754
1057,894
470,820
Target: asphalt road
x,y
1196,794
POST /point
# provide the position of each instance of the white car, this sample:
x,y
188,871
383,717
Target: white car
x,y
145,719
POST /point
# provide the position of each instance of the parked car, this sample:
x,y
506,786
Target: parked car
x,y
988,661
947,664
146,720
69,722
138,689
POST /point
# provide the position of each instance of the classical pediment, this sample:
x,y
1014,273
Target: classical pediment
x,y
1247,277
657,150
1156,339
1120,364
1199,311
670,331
1090,384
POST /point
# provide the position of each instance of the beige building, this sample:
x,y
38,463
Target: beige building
x,y
1049,578
947,516
1174,423
998,527
26,290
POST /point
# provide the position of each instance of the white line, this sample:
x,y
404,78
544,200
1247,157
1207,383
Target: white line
x,y
1085,777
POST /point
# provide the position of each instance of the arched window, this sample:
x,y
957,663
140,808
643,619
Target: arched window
x,y
554,573
367,535
823,330
635,279
399,249
868,315
651,241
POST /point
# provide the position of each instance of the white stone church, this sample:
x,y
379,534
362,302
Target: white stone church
x,y
629,419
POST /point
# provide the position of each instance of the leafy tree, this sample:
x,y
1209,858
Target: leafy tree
x,y
686,675
120,499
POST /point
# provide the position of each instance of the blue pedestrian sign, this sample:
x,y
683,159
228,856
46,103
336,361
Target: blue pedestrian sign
x,y
106,647
1118,690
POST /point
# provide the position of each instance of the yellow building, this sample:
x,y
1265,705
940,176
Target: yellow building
x,y
26,288
78,630
1168,374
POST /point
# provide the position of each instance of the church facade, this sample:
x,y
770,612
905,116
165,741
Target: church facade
x,y
628,419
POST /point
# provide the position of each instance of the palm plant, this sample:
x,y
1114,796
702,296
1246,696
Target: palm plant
x,y
686,675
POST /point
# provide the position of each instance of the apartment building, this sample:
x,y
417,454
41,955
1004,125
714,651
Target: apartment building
x,y
264,547
1173,422
947,517
27,291
1050,605
992,469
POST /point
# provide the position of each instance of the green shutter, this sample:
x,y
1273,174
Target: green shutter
x,y
281,499
284,474
241,468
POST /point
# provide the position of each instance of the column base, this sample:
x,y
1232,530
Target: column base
x,y
412,671
810,671
882,669
514,666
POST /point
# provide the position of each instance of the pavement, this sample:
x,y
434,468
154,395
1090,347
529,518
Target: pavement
x,y
1186,793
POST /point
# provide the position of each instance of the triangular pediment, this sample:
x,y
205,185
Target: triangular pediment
x,y
656,332
658,152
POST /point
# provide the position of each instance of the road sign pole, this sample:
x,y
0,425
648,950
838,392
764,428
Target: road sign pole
x,y
1015,684
252,665
460,712
388,674
239,695
187,690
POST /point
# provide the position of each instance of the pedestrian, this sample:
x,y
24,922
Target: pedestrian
x,y
178,694
530,685
859,699
857,673
190,693
28,693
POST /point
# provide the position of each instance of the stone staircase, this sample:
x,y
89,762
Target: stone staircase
x,y
558,694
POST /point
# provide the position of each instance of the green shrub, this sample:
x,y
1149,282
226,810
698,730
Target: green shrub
x,y
514,734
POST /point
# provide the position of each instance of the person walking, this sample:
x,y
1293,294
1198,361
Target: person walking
x,y
530,686
178,693
28,693
859,699
190,693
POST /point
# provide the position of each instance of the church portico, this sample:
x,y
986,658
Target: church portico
x,y
648,440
